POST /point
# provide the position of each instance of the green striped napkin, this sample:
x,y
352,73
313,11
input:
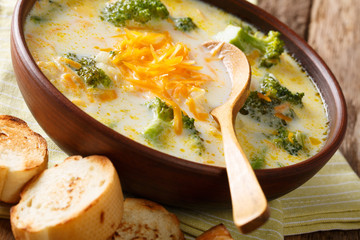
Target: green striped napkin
x,y
330,200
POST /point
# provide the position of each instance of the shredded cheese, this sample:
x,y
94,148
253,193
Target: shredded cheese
x,y
314,141
152,62
290,137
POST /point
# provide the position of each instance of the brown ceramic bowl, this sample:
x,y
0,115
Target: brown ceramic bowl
x,y
152,174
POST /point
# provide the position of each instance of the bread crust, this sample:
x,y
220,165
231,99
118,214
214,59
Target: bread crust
x,y
96,220
144,219
218,232
17,140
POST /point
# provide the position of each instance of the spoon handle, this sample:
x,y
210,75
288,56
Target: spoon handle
x,y
249,204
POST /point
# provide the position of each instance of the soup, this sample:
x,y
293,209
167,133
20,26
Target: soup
x,y
148,77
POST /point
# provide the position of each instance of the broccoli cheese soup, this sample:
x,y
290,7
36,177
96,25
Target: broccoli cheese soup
x,y
139,67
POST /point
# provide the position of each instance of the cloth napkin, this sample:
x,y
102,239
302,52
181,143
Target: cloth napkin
x,y
330,200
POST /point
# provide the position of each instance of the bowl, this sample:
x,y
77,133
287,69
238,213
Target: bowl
x,y
150,173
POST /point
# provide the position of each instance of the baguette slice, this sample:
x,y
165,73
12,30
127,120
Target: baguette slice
x,y
80,198
146,220
23,154
218,232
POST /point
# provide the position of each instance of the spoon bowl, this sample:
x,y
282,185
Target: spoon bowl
x,y
250,209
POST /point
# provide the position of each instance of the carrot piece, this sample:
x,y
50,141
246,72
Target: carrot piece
x,y
262,96
282,107
283,117
107,95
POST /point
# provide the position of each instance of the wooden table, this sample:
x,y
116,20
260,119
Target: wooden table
x,y
332,28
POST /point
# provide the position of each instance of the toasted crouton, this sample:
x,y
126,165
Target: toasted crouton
x,y
146,220
23,154
80,199
218,232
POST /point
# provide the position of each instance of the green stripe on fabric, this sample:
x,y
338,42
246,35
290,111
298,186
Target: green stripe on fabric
x,y
320,227
194,222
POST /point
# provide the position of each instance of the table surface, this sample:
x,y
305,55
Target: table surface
x,y
332,28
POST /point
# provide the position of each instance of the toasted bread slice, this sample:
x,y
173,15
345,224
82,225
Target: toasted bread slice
x,y
80,199
23,154
218,232
144,220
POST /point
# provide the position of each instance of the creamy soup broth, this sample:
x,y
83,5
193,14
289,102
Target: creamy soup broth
x,y
75,27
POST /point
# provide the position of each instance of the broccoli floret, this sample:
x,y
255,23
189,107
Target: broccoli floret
x,y
163,117
270,46
142,11
154,131
161,110
271,105
46,16
197,142
121,11
188,123
292,142
37,19
263,109
92,75
185,24
272,88
258,161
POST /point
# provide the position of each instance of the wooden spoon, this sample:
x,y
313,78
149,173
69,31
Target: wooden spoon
x,y
249,204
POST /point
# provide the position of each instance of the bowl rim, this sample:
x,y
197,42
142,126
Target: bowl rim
x,y
18,38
